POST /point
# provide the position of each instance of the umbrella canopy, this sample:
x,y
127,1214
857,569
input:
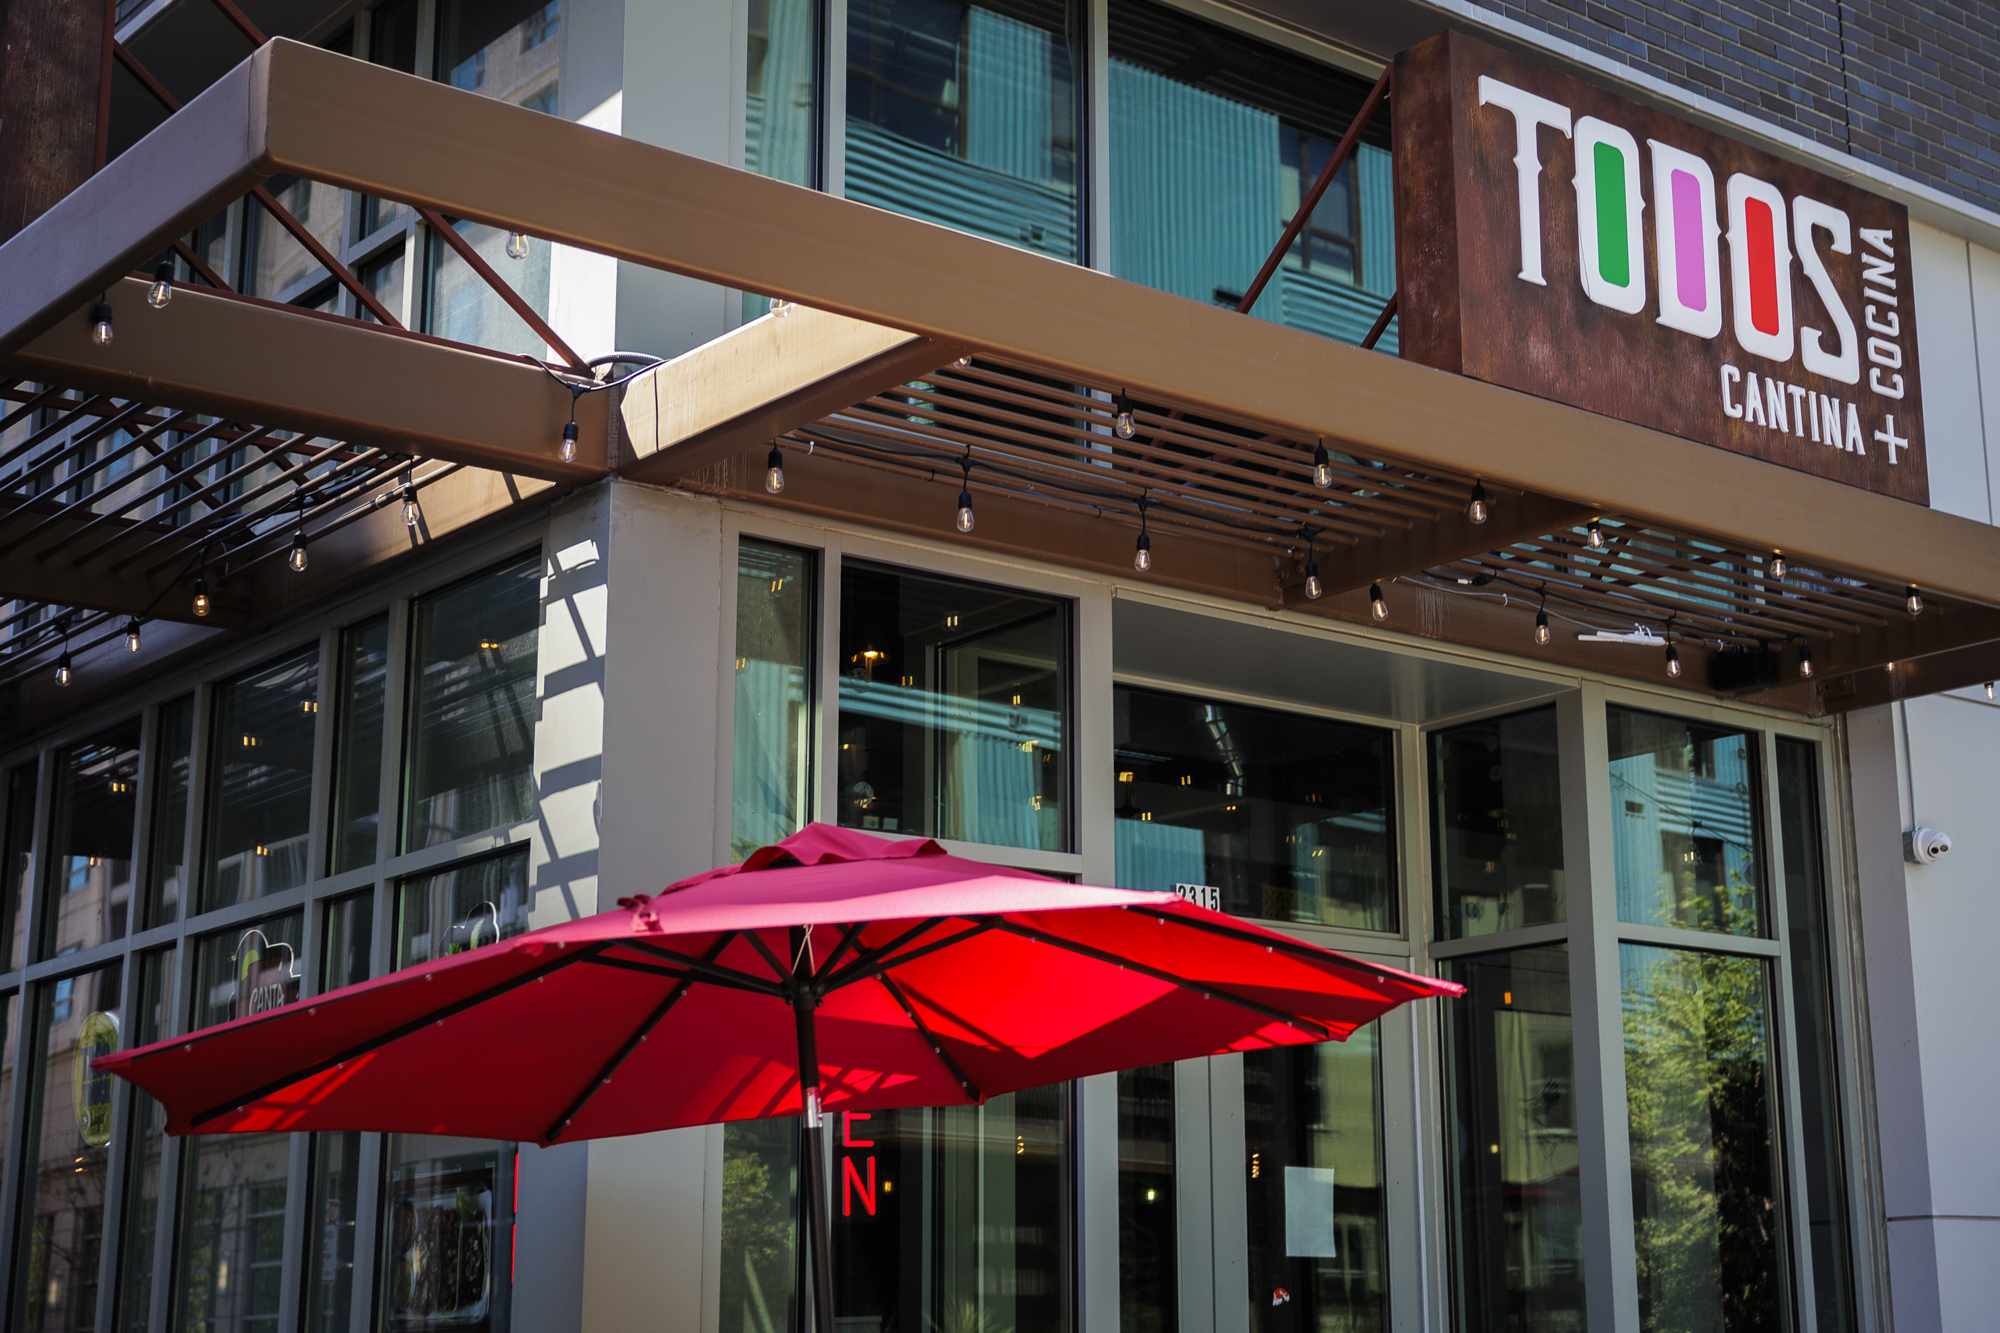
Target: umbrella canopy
x,y
915,977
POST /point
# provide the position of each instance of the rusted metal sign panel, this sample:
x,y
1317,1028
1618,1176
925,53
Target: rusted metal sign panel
x,y
1559,240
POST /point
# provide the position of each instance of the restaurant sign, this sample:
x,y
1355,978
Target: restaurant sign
x,y
1555,239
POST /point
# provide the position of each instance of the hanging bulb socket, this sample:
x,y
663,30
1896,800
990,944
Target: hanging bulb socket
x,y
566,451
1805,661
1121,418
1913,601
774,471
1322,467
1777,564
1377,605
132,635
1989,689
201,596
1673,660
965,511
964,362
62,668
1142,555
1541,629
1475,508
413,513
297,559
162,290
100,323
1593,536
517,245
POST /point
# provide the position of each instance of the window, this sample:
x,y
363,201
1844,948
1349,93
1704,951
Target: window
x,y
260,781
1215,141
333,1205
357,749
1686,840
152,1019
472,706
18,864
461,908
954,707
760,1183
966,115
780,118
166,883
1511,1146
1288,817
772,770
96,804
1148,1261
1496,817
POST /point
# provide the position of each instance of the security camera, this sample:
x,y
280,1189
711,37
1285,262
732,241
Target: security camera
x,y
1921,846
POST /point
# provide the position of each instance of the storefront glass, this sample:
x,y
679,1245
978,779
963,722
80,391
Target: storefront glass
x,y
953,1219
1708,1210
1820,1156
1312,1125
1511,1146
461,908
760,1182
232,1234
772,772
966,115
247,970
152,1006
1496,816
1684,827
19,862
333,1206
780,118
357,751
173,770
1289,817
472,713
95,809
260,781
1215,140
67,1152
954,709
1148,1261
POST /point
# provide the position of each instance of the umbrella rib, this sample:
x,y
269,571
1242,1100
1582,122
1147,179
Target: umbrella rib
x,y
783,973
722,976
937,1047
848,934
652,970
879,961
639,1034
1292,947
834,981
382,1039
1206,992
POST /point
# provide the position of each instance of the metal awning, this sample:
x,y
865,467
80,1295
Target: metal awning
x,y
1231,407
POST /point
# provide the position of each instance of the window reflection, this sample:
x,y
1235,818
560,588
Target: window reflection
x,y
1312,1126
1496,815
1289,817
461,908
772,772
1511,1145
152,1005
965,115
19,862
96,805
166,883
357,754
954,702
260,781
333,1206
472,720
247,970
760,1181
1148,1267
232,1232
779,118
1683,823
1707,1207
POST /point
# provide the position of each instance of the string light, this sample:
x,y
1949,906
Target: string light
x,y
297,559
1594,536
100,323
201,595
1121,418
566,451
1475,508
517,245
62,663
1322,466
1914,600
1377,606
965,495
162,290
1805,661
1314,588
774,470
964,362
1542,623
413,513
1673,653
132,634
1142,554
1778,564
1989,689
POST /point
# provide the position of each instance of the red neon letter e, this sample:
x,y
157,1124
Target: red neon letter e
x,y
847,1139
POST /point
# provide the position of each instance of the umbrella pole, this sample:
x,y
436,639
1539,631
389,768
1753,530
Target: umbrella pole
x,y
812,1162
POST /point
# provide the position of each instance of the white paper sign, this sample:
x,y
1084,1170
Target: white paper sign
x,y
1309,1212
1201,895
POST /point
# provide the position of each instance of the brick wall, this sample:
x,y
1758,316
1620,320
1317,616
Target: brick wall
x,y
1911,87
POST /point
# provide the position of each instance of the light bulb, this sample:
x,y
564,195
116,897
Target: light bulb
x,y
1314,588
1322,467
132,634
774,471
62,668
964,362
100,323
1778,565
1989,689
1542,629
1121,420
1142,557
1376,605
1594,536
1673,660
162,290
1475,508
201,596
517,245
412,514
965,511
297,559
1914,600
1805,660
566,451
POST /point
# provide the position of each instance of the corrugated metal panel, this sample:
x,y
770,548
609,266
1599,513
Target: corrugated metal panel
x,y
893,173
1008,95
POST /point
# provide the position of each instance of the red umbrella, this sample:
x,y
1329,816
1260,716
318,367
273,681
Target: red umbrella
x,y
892,973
